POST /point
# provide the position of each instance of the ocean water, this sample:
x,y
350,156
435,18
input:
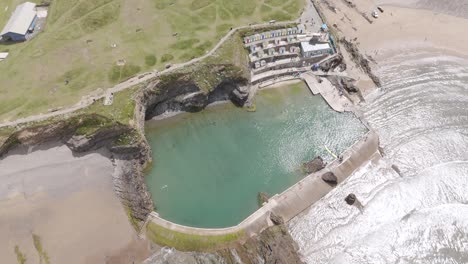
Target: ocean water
x,y
208,167
419,215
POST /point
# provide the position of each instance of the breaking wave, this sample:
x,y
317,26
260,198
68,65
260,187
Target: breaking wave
x,y
420,214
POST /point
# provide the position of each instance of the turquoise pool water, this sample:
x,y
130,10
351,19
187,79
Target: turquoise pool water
x,y
208,167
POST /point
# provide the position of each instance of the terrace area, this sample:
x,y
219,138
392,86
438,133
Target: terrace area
x,y
284,49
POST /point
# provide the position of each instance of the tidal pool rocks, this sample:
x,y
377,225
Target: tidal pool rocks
x,y
314,165
262,198
330,178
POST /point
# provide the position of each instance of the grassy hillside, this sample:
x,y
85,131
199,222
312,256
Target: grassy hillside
x,y
76,45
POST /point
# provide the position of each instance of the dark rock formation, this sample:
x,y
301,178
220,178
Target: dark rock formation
x,y
65,131
130,186
273,246
350,199
332,63
381,150
129,182
101,138
262,198
179,92
396,169
314,165
330,178
360,60
276,219
343,83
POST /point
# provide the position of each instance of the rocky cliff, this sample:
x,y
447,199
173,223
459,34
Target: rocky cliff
x,y
182,92
273,245
87,132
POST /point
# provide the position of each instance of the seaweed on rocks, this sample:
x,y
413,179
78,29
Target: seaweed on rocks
x,y
360,60
314,165
273,245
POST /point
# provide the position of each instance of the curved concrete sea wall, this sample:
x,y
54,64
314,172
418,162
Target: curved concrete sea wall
x,y
292,201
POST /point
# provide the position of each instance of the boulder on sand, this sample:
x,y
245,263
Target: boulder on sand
x,y
330,178
314,165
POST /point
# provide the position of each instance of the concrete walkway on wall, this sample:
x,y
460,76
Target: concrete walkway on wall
x,y
275,73
294,200
279,80
311,81
331,95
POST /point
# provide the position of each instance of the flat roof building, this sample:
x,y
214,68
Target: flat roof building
x,y
310,50
21,22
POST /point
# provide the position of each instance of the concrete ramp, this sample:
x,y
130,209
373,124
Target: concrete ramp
x,y
331,94
311,82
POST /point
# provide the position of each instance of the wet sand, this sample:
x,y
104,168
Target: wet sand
x,y
68,201
399,28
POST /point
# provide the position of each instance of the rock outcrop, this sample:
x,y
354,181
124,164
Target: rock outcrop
x,y
333,63
130,186
262,198
276,219
67,132
273,245
80,135
360,60
330,178
350,199
180,92
343,83
314,165
101,138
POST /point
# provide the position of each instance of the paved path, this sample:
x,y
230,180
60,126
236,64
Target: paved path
x,y
332,96
311,82
295,199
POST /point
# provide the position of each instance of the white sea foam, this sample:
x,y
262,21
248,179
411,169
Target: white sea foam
x,y
421,114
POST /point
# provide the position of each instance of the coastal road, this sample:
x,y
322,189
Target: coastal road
x,y
141,78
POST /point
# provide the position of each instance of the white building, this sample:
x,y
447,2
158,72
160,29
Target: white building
x,y
311,50
21,23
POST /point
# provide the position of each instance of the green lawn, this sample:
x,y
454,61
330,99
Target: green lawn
x,y
185,242
74,56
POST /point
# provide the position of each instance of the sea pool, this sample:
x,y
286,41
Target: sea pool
x,y
208,167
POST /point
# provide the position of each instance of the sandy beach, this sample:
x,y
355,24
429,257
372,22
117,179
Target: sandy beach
x,y
69,203
402,27
420,114
399,28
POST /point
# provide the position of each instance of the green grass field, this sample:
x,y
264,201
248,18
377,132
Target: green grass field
x,y
185,242
76,44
